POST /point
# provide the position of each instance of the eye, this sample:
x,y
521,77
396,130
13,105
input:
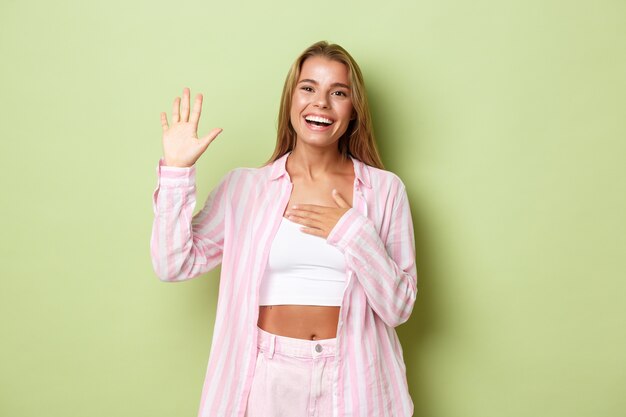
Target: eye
x,y
340,93
306,88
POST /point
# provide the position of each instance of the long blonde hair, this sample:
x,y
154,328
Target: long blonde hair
x,y
358,140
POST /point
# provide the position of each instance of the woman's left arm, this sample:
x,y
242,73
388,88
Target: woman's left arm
x,y
385,269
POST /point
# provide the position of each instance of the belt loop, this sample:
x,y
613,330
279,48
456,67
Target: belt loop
x,y
272,346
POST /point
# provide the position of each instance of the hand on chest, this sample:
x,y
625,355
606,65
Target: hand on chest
x,y
313,205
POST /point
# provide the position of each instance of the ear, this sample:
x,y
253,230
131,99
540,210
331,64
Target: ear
x,y
353,116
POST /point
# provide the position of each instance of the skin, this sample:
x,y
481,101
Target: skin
x,y
322,180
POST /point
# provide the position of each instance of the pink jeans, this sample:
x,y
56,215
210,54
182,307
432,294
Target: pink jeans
x,y
292,378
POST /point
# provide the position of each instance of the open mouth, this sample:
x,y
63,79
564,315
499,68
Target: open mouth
x,y
318,121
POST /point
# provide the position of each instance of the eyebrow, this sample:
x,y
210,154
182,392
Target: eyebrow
x,y
308,80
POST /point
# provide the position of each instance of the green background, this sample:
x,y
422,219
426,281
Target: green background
x,y
506,121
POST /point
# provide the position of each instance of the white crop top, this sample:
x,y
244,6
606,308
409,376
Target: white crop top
x,y
302,269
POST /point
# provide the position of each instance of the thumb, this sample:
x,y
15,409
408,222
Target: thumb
x,y
206,140
341,202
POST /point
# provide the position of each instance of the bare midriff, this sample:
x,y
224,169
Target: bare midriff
x,y
300,321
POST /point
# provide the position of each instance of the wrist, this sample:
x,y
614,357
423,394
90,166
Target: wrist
x,y
174,164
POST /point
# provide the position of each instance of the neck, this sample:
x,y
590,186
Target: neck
x,y
313,163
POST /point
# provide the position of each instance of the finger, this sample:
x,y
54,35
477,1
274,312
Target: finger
x,y
175,110
206,140
313,208
302,214
197,109
314,232
341,202
184,107
164,121
305,221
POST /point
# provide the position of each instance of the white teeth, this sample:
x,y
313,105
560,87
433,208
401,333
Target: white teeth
x,y
318,119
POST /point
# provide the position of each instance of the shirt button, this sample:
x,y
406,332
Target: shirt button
x,y
318,348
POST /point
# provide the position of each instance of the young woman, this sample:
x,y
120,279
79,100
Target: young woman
x,y
317,254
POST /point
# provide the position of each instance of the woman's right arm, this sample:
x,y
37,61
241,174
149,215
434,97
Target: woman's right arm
x,y
182,246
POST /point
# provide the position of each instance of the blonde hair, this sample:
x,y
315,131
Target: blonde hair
x,y
358,140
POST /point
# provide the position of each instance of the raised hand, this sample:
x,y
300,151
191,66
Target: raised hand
x,y
181,145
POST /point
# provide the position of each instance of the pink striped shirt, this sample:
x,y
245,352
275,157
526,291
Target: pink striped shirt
x,y
236,227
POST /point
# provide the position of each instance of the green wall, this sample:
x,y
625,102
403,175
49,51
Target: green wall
x,y
506,121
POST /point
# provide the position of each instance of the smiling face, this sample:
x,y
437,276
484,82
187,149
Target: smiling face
x,y
321,105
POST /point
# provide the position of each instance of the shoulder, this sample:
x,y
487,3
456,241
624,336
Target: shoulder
x,y
386,189
383,179
247,176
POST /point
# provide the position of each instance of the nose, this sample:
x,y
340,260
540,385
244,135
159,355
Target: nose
x,y
321,100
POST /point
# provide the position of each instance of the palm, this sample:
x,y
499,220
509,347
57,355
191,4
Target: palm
x,y
181,145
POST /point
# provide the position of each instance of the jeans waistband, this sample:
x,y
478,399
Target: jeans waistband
x,y
298,348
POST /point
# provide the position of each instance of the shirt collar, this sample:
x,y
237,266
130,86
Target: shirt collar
x,y
361,172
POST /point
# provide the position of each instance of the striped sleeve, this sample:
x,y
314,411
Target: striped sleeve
x,y
182,246
386,270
